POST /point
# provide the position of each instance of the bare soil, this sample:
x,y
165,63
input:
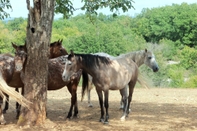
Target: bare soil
x,y
157,109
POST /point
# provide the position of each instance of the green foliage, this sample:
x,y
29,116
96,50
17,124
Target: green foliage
x,y
4,39
15,24
176,23
188,58
191,82
169,49
4,4
167,29
176,75
91,6
108,34
64,7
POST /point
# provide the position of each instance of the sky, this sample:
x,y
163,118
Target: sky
x,y
19,7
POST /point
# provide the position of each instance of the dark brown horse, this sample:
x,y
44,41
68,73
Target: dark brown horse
x,y
107,75
55,82
10,72
8,78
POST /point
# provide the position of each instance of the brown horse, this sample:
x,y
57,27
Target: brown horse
x,y
10,72
8,78
55,82
107,75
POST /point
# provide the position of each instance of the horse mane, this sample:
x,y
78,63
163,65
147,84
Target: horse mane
x,y
53,44
6,54
132,55
93,60
58,43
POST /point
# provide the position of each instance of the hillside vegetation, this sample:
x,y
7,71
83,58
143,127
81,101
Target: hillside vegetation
x,y
169,31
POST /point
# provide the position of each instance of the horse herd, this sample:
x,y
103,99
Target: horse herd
x,y
103,71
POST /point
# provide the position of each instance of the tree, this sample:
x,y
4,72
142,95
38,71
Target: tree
x,y
38,37
168,22
4,4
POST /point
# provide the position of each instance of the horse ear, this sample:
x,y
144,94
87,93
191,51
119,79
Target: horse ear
x,y
13,45
25,46
25,43
61,41
71,52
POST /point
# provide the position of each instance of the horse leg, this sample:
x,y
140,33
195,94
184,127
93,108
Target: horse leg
x,y
100,96
122,101
106,93
71,106
72,89
6,104
124,95
18,106
74,98
131,89
2,120
89,96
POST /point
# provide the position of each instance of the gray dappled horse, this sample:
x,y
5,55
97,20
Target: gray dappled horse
x,y
139,57
107,75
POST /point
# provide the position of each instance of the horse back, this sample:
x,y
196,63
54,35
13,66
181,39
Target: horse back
x,y
7,68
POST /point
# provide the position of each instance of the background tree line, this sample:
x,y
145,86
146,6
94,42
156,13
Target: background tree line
x,y
169,31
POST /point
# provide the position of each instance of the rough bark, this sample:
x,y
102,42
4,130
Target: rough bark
x,y
39,30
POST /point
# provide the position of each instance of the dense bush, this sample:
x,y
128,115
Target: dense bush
x,y
168,31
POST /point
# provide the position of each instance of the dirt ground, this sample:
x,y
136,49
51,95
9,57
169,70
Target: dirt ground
x,y
157,109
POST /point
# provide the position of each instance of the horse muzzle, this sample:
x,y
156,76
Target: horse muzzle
x,y
155,69
18,67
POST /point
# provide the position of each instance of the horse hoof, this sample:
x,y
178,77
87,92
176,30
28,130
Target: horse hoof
x,y
68,119
75,116
101,120
90,105
4,111
106,122
122,118
3,122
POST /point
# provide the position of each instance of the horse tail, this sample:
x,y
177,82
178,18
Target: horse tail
x,y
142,82
84,83
4,88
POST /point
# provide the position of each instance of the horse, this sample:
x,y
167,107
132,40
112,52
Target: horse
x,y
8,79
106,75
140,57
11,75
55,82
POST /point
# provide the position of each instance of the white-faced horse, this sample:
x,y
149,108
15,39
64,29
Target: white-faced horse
x,y
139,57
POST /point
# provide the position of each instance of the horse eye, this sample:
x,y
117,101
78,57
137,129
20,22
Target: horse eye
x,y
150,57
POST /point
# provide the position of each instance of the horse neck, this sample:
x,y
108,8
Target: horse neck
x,y
8,67
88,69
138,57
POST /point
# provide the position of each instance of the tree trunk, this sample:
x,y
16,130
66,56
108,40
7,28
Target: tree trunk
x,y
39,28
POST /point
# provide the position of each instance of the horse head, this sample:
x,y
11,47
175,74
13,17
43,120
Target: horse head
x,y
56,49
150,60
71,68
20,56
